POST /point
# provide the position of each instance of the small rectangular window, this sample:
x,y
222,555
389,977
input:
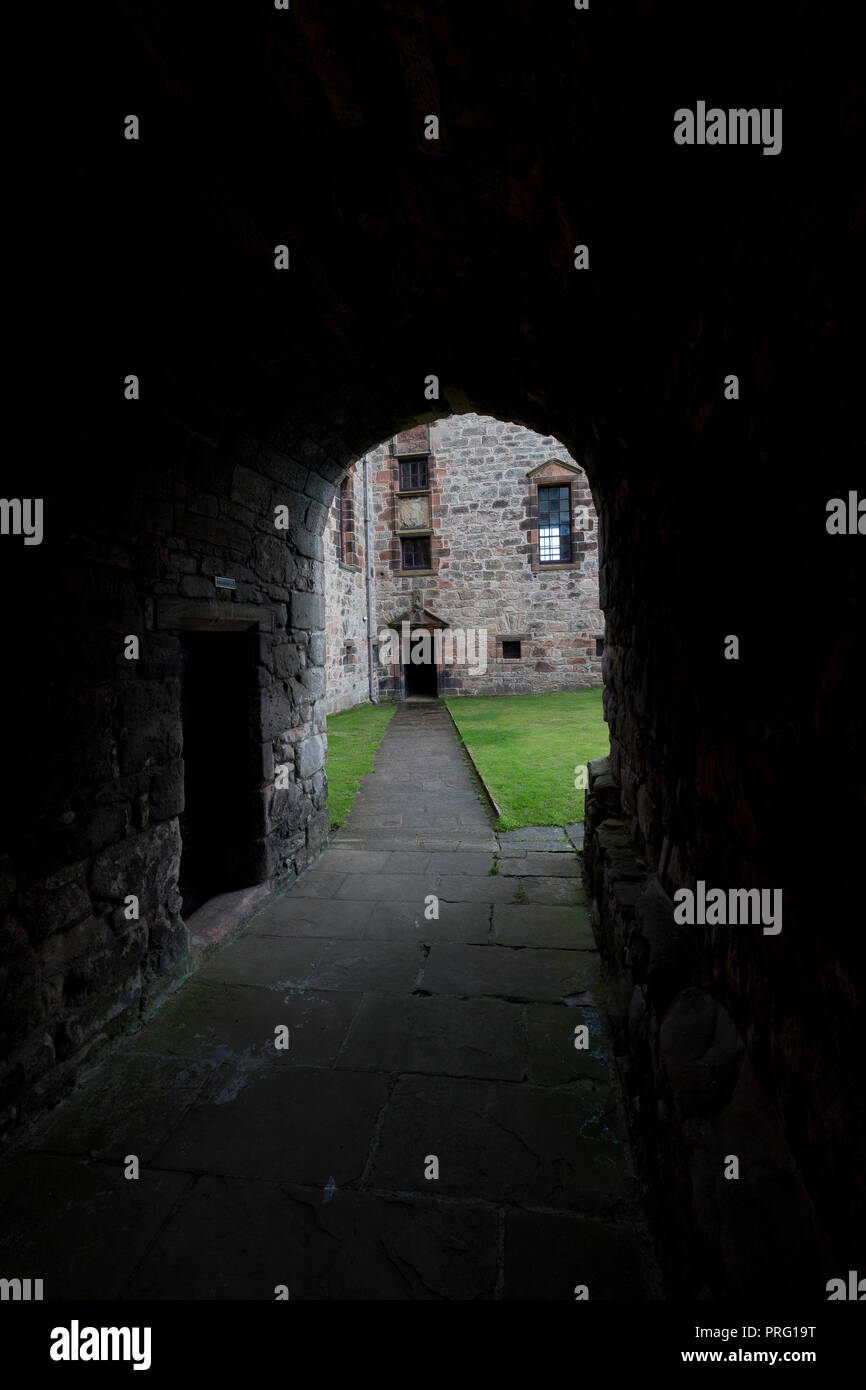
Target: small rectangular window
x,y
511,651
599,646
554,525
413,475
416,552
340,538
344,519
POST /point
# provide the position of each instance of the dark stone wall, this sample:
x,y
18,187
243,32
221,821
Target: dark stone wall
x,y
455,258
743,773
97,745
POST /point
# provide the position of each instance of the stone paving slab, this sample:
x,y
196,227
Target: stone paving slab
x,y
553,1058
229,1022
547,1256
385,887
321,963
503,1143
81,1227
318,882
412,800
507,972
546,846
389,966
440,1036
373,822
528,833
296,917
232,1239
467,888
308,1125
461,862
551,890
538,864
376,921
415,811
417,841
468,841
139,1105
269,962
575,833
356,861
550,839
467,922
408,861
540,924
446,819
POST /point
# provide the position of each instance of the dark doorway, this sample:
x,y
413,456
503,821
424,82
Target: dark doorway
x,y
421,678
214,826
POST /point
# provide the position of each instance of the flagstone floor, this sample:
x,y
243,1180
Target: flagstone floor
x,y
430,1131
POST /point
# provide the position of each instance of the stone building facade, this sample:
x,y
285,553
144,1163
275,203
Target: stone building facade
x,y
346,597
485,536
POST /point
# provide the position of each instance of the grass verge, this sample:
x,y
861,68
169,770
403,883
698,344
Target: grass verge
x,y
526,748
353,737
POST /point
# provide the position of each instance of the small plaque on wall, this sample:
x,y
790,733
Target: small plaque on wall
x,y
413,513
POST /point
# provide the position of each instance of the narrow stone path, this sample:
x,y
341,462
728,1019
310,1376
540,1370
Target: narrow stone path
x,y
431,980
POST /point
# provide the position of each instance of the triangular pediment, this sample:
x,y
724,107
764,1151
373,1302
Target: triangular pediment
x,y
418,617
553,468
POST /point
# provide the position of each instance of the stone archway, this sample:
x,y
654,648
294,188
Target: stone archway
x,y
418,267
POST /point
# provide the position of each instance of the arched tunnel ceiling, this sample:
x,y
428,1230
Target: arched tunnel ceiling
x,y
411,257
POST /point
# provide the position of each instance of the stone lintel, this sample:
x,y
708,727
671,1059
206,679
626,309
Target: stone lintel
x,y
213,615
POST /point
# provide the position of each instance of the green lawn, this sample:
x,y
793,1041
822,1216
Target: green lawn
x,y
526,748
353,737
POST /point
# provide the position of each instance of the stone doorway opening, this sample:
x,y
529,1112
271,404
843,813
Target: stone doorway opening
x,y
421,678
215,822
